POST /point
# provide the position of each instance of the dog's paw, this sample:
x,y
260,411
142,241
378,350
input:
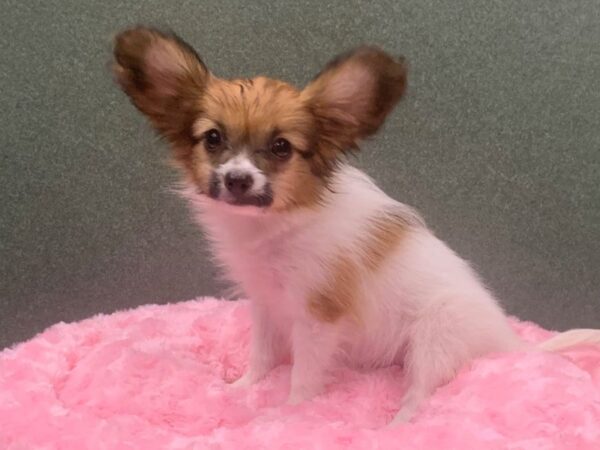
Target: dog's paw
x,y
300,395
403,416
294,400
245,381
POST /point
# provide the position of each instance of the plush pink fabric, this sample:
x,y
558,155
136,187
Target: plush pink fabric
x,y
153,378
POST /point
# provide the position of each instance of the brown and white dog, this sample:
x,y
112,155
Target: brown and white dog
x,y
335,269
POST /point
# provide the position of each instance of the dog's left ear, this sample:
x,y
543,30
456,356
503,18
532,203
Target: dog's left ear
x,y
354,94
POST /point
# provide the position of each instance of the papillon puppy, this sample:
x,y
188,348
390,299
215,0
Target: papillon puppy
x,y
336,270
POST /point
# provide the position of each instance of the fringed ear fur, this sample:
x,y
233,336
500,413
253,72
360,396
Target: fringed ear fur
x,y
164,77
353,95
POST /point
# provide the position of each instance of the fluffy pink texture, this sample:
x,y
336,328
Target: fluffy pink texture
x,y
153,378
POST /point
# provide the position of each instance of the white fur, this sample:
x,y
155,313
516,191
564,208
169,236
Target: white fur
x,y
242,164
425,308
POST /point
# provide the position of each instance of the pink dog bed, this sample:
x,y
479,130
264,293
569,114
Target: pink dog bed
x,y
154,378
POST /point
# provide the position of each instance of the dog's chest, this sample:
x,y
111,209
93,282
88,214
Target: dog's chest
x,y
266,270
277,264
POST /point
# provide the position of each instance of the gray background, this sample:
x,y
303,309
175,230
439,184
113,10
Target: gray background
x,y
497,143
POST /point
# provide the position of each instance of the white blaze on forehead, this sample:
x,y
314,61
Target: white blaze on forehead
x,y
242,164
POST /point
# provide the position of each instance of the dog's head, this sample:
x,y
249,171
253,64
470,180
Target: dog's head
x,y
256,142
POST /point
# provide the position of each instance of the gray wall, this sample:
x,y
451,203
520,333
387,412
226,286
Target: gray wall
x,y
497,144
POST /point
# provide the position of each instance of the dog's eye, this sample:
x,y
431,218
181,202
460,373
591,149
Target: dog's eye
x,y
212,139
281,148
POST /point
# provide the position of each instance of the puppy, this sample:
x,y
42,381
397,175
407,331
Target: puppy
x,y
335,269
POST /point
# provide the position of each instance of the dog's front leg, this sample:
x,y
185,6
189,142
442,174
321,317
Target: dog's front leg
x,y
268,347
313,347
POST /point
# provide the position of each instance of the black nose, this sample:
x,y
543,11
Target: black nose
x,y
238,183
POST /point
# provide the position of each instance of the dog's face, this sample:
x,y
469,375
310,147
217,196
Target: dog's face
x,y
256,142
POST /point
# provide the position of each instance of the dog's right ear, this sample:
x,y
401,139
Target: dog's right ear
x,y
164,77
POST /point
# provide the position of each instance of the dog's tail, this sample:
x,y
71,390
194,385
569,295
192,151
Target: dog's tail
x,y
571,338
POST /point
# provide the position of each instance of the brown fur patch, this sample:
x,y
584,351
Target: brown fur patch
x,y
297,186
264,108
340,297
385,233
